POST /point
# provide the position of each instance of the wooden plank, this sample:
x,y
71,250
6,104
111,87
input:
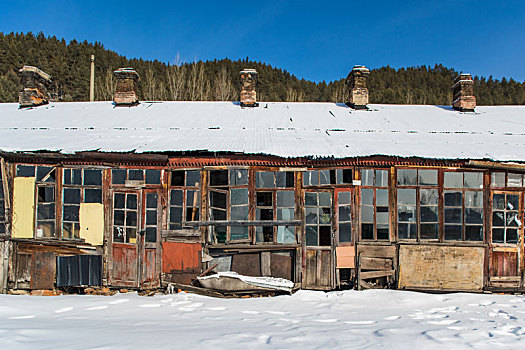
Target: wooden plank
x,y
324,268
311,267
376,274
265,264
504,285
242,223
505,249
180,233
365,285
376,264
368,251
505,279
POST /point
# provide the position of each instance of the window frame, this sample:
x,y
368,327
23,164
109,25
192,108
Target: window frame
x,y
197,188
374,188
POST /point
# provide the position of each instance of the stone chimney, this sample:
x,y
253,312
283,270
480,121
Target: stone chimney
x,y
127,86
248,82
463,93
35,87
356,82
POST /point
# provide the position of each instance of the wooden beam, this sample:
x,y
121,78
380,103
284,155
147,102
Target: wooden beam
x,y
376,263
243,223
375,274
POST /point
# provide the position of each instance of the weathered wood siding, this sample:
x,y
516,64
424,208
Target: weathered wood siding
x,y
441,267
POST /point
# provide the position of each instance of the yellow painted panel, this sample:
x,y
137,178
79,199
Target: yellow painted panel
x,y
24,207
92,223
132,240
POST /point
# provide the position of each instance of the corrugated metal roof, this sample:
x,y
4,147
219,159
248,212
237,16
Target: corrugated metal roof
x,y
280,129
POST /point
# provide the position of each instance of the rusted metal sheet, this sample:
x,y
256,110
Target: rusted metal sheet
x,y
248,264
124,272
441,267
181,262
43,269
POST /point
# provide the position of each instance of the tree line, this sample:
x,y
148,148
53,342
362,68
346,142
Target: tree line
x,y
68,63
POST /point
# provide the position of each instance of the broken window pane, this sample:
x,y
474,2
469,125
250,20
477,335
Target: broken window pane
x,y
238,177
286,235
193,198
218,199
219,178
264,179
45,173
311,178
46,194
453,198
311,235
285,214
324,177
264,199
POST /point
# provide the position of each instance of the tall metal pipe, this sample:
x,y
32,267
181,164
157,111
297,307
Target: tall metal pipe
x,y
92,80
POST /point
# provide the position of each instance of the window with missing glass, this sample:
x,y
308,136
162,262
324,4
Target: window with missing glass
x,y
463,206
229,201
79,186
185,199
374,211
145,176
275,205
506,220
45,202
327,177
417,204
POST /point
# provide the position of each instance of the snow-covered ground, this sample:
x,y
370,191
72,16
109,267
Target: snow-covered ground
x,y
376,319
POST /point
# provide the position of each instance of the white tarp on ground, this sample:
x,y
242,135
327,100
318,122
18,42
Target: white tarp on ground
x,y
280,129
373,319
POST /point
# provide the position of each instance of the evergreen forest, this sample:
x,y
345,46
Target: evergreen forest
x,y
68,63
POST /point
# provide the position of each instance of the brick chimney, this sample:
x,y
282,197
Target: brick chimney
x,y
35,87
127,85
463,93
248,82
356,82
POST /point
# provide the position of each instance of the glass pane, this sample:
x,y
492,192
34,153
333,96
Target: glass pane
x,y
193,178
429,214
151,233
311,215
280,179
344,214
427,177
473,216
285,214
151,217
498,180
70,230
367,231
381,179
498,235
25,170
137,175
286,199
382,197
474,199
511,219
217,214
429,231
131,218
325,215
118,176
344,198
473,180
324,177
498,218
473,233
151,200
453,180
218,177
131,201
43,171
325,199
239,196
406,196
311,178
264,179
46,194
407,177
46,211
71,213
153,177
72,195
177,178
453,198
237,233
511,236
513,201
310,199
367,177
428,196
239,213
176,215
514,180
218,199
264,234
406,213
176,197
193,198
311,235
238,177
367,214
498,201
453,232
264,199
286,235
453,215
344,176
119,200
367,196
92,177
131,235
345,232
93,195
118,217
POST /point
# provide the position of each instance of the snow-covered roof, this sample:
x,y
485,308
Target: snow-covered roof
x,y
280,129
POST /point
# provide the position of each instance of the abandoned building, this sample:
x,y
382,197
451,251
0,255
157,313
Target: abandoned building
x,y
140,194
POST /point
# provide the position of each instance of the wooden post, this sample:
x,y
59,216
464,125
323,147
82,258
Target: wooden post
x,y
92,80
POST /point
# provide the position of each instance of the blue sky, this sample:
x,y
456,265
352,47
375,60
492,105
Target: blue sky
x,y
315,40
